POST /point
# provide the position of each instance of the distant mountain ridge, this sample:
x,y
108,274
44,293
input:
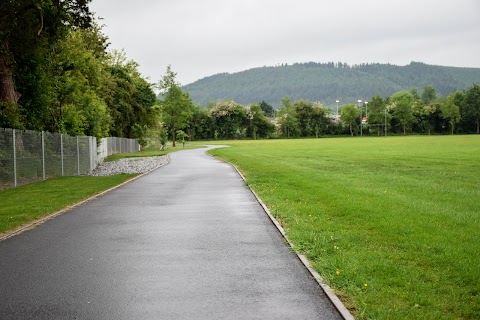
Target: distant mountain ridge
x,y
327,82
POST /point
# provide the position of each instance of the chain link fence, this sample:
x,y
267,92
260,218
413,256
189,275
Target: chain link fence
x,y
28,156
113,145
153,144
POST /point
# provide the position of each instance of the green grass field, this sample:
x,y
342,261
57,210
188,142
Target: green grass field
x,y
392,224
27,203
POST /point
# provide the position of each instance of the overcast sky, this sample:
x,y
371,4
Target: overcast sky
x,y
199,38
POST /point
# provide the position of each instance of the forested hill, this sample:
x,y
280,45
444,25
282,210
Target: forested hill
x,y
327,82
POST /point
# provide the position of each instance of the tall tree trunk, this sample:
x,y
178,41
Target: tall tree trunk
x,y
7,83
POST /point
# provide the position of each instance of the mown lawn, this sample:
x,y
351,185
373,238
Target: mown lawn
x,y
25,204
393,224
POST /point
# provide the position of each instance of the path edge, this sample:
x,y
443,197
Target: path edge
x,y
50,216
326,288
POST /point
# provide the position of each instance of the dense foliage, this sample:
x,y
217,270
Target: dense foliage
x,y
327,82
57,75
403,113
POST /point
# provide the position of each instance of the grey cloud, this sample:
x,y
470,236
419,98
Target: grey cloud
x,y
200,38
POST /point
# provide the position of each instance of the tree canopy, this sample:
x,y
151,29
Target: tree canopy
x,y
56,73
176,105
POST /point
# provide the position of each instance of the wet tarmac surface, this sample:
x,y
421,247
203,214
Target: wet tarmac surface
x,y
187,241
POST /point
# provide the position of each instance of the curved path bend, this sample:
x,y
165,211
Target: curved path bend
x,y
186,241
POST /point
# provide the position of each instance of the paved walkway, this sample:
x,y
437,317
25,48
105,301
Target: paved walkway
x,y
187,241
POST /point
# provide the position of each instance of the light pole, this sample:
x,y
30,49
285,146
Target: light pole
x,y
337,101
361,114
366,113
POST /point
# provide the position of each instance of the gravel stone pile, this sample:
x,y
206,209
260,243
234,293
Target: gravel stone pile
x,y
130,165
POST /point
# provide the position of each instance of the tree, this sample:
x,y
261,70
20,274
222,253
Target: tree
x,y
267,109
312,117
471,106
304,112
376,111
182,135
200,125
176,105
429,94
28,31
402,103
74,85
258,125
348,114
127,94
230,119
450,111
27,26
62,86
55,73
320,120
414,93
432,115
287,118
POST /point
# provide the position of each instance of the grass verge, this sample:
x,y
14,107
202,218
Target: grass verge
x,y
390,223
25,204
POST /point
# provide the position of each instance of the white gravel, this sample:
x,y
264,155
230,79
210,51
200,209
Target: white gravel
x,y
130,165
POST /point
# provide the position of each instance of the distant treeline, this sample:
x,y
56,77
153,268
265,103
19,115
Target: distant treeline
x,y
328,82
404,112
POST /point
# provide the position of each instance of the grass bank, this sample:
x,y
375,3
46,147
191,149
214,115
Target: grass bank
x,y
391,223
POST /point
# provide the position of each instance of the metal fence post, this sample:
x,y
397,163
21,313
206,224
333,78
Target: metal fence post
x,y
61,150
90,154
78,158
92,150
14,159
43,155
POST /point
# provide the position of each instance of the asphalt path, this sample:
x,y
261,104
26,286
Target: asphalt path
x,y
186,241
